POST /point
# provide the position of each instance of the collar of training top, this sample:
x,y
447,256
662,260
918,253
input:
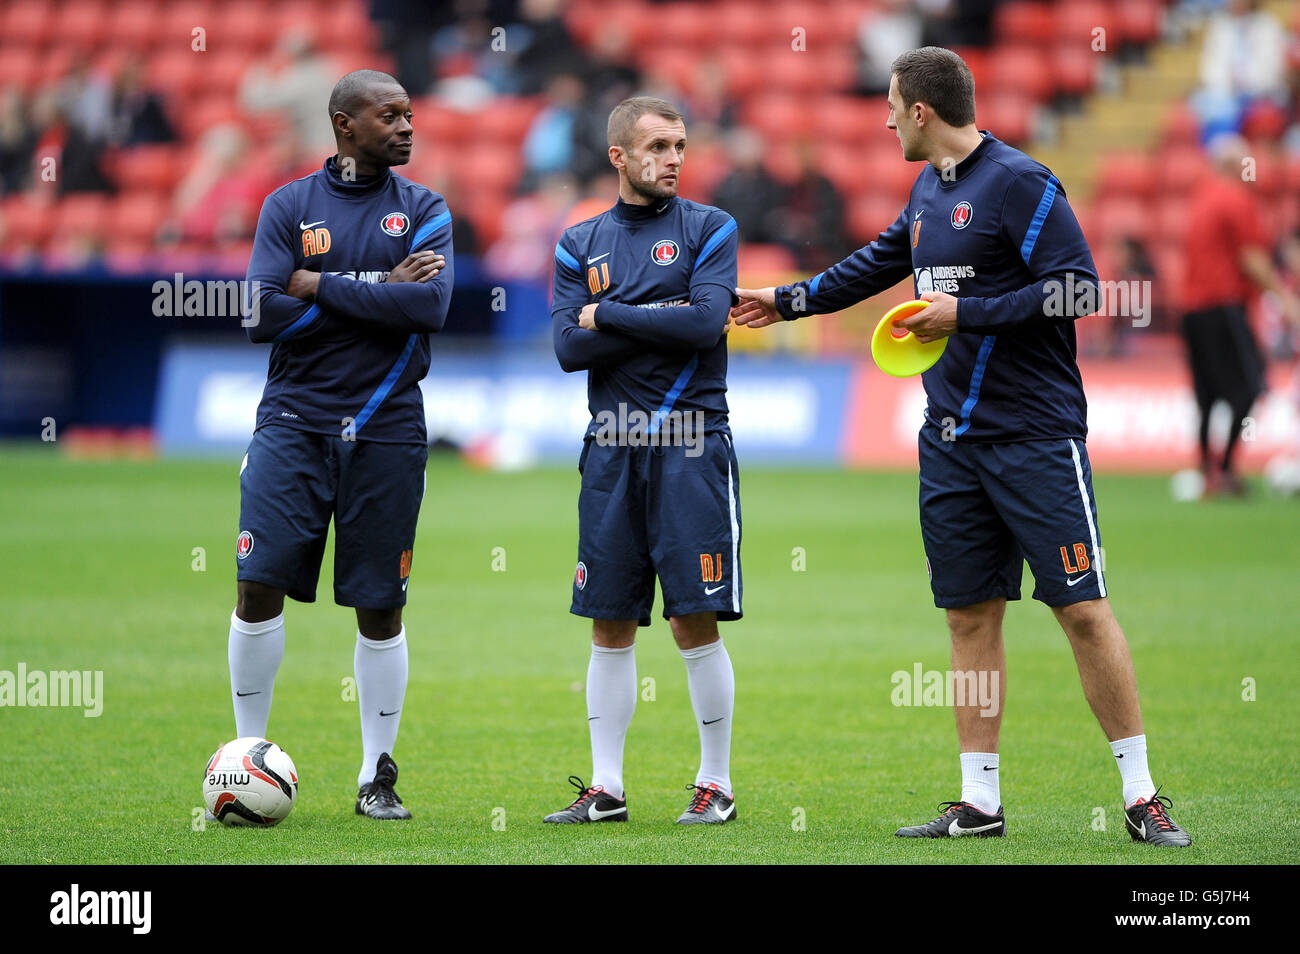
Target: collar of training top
x,y
966,165
627,212
357,185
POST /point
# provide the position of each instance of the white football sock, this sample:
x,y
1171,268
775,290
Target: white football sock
x,y
712,683
611,700
1131,757
254,653
380,667
979,781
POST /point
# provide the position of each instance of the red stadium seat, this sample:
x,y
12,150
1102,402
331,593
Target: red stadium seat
x,y
506,120
1024,70
1181,127
26,220
746,75
978,62
242,26
222,71
79,23
1077,21
179,20
439,126
1008,115
1024,23
870,215
765,259
667,61
743,23
178,74
80,215
485,167
345,25
1075,69
1122,217
133,26
779,116
1139,21
20,67
137,216
149,167
486,211
195,117
1126,174
684,25
1180,167
849,119
805,73
28,25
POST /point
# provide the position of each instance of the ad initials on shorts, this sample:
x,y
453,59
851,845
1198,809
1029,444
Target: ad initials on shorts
x,y
711,567
1080,558
406,564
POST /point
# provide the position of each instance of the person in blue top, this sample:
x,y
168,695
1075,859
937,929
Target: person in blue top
x,y
991,242
350,274
641,299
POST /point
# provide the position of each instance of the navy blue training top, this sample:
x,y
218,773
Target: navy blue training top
x,y
997,233
664,276
350,362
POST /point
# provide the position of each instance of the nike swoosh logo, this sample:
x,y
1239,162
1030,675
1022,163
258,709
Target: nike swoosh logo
x,y
709,591
1120,756
711,721
242,694
1078,578
595,814
990,768
592,718
1140,829
596,259
727,814
305,226
956,831
917,216
404,582
394,712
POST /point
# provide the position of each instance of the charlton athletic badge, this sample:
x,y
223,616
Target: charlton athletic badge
x,y
395,223
961,215
244,545
580,577
664,252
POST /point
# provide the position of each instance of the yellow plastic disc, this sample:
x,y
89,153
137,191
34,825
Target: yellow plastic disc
x,y
903,356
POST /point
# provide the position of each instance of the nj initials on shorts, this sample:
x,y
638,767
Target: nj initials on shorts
x,y
711,567
1080,558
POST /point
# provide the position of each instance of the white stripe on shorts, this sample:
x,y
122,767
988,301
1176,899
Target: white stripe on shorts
x,y
735,535
1087,512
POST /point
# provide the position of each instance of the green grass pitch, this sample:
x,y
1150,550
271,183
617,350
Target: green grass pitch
x,y
97,572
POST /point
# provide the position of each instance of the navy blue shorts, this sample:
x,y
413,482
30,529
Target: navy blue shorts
x,y
987,508
293,482
655,511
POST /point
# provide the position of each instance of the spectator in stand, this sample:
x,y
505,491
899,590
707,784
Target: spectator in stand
x,y
755,200
814,215
77,155
1281,336
17,141
549,144
526,249
295,82
218,201
882,35
709,103
1243,59
548,47
1226,249
136,114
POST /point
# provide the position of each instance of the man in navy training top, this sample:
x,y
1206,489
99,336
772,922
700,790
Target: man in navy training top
x,y
992,244
641,300
351,272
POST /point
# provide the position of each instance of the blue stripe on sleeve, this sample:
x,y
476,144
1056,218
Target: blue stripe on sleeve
x,y
976,379
428,229
1040,216
716,239
815,283
674,393
307,318
386,386
564,258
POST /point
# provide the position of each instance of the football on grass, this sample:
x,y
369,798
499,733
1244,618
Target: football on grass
x,y
250,782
